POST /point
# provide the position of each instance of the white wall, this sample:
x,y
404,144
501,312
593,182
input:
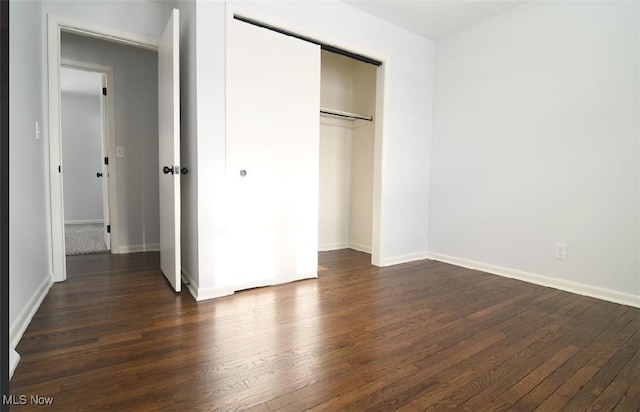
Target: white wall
x,y
135,92
336,92
29,269
362,153
334,220
211,121
336,82
536,141
81,125
362,156
406,121
145,18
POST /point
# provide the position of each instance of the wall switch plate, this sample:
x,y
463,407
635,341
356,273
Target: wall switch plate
x,y
561,251
119,151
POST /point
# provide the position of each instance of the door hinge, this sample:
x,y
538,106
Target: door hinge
x,y
59,169
108,228
106,160
104,91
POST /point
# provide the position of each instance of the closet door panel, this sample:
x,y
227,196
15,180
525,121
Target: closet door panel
x,y
273,98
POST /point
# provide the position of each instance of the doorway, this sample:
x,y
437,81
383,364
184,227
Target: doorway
x,y
84,127
131,184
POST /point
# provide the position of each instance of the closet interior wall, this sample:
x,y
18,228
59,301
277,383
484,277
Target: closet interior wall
x,y
346,154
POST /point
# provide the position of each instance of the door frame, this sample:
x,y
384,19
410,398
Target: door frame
x,y
107,142
56,25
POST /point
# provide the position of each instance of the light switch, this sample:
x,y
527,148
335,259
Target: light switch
x,y
119,151
37,131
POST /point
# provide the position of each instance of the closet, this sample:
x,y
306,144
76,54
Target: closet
x,y
347,136
299,155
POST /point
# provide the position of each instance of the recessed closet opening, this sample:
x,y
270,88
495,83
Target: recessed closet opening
x,y
303,153
347,146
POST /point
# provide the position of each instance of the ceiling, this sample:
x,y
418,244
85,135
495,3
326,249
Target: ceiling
x,y
434,19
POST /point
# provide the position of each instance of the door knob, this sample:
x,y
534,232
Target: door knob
x,y
184,170
243,173
98,174
167,169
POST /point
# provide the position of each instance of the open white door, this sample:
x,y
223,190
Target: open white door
x,y
106,216
273,127
169,150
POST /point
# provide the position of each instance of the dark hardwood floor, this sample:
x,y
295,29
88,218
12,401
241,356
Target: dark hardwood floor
x,y
417,336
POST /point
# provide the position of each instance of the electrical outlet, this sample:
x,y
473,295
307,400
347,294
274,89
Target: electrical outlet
x,y
119,151
561,251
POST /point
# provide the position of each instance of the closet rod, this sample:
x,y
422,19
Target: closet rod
x,y
323,46
346,115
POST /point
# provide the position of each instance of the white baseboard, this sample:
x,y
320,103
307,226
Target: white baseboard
x,y
150,247
396,260
84,222
14,359
16,330
542,280
360,247
199,293
327,247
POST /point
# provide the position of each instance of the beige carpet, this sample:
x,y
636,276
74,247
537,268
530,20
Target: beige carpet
x,y
84,239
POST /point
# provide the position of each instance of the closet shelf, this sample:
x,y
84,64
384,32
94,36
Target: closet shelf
x,y
344,115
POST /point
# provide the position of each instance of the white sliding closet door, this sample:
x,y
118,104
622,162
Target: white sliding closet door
x,y
273,103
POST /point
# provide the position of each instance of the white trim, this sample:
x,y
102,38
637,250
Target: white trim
x,y
105,33
149,247
411,257
56,24
17,328
84,222
379,169
327,247
542,280
14,359
360,247
200,294
55,153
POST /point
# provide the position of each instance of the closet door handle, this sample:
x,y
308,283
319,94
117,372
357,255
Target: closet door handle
x,y
98,174
243,173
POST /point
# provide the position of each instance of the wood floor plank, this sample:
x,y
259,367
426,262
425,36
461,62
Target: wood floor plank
x,y
573,385
590,392
620,385
595,336
406,337
552,353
